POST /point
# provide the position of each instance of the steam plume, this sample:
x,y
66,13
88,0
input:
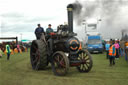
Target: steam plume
x,y
110,11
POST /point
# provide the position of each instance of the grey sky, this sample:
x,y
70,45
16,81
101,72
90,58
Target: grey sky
x,y
22,16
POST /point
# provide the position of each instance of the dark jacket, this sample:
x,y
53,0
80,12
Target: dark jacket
x,y
39,30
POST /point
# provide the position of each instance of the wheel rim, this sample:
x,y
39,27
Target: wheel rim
x,y
35,55
86,64
59,64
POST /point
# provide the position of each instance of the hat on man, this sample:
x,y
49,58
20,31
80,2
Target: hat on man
x,y
49,25
38,24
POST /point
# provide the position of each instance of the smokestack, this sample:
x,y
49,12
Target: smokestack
x,y
70,17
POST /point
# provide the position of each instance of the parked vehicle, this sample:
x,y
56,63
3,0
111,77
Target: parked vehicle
x,y
94,44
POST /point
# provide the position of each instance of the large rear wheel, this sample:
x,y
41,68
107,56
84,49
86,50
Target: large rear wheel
x,y
86,59
38,55
60,63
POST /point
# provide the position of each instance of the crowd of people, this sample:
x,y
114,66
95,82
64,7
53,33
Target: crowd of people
x,y
6,49
116,49
9,48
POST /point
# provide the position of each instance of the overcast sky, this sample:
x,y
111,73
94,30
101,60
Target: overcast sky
x,y
20,17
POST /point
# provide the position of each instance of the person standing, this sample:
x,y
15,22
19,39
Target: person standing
x,y
18,48
107,45
8,50
112,54
50,40
126,50
122,48
1,53
49,29
117,49
38,32
126,44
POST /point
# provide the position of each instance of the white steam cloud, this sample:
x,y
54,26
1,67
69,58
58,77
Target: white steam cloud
x,y
113,14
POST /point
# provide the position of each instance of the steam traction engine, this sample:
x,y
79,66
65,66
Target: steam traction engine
x,y
61,49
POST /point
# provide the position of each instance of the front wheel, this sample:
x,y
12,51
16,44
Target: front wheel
x,y
60,63
86,59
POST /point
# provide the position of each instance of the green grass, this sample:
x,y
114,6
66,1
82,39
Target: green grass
x,y
18,71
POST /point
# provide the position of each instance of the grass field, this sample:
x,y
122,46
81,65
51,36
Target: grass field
x,y
18,71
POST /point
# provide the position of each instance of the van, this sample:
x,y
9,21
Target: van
x,y
94,44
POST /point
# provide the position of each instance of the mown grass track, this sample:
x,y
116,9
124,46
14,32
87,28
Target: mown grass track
x,y
18,71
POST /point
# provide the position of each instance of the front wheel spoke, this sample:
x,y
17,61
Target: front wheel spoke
x,y
87,59
81,66
85,56
82,55
86,65
87,62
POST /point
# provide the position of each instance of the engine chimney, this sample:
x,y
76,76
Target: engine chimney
x,y
70,17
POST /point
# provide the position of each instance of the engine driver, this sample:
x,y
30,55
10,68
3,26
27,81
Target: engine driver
x,y
49,29
38,32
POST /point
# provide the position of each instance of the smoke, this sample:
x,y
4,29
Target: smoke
x,y
108,9
111,12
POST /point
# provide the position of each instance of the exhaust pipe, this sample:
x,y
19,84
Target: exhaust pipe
x,y
70,8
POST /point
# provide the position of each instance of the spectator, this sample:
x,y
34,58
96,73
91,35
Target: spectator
x,y
122,47
117,49
107,45
126,45
112,54
18,48
1,53
126,50
8,50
